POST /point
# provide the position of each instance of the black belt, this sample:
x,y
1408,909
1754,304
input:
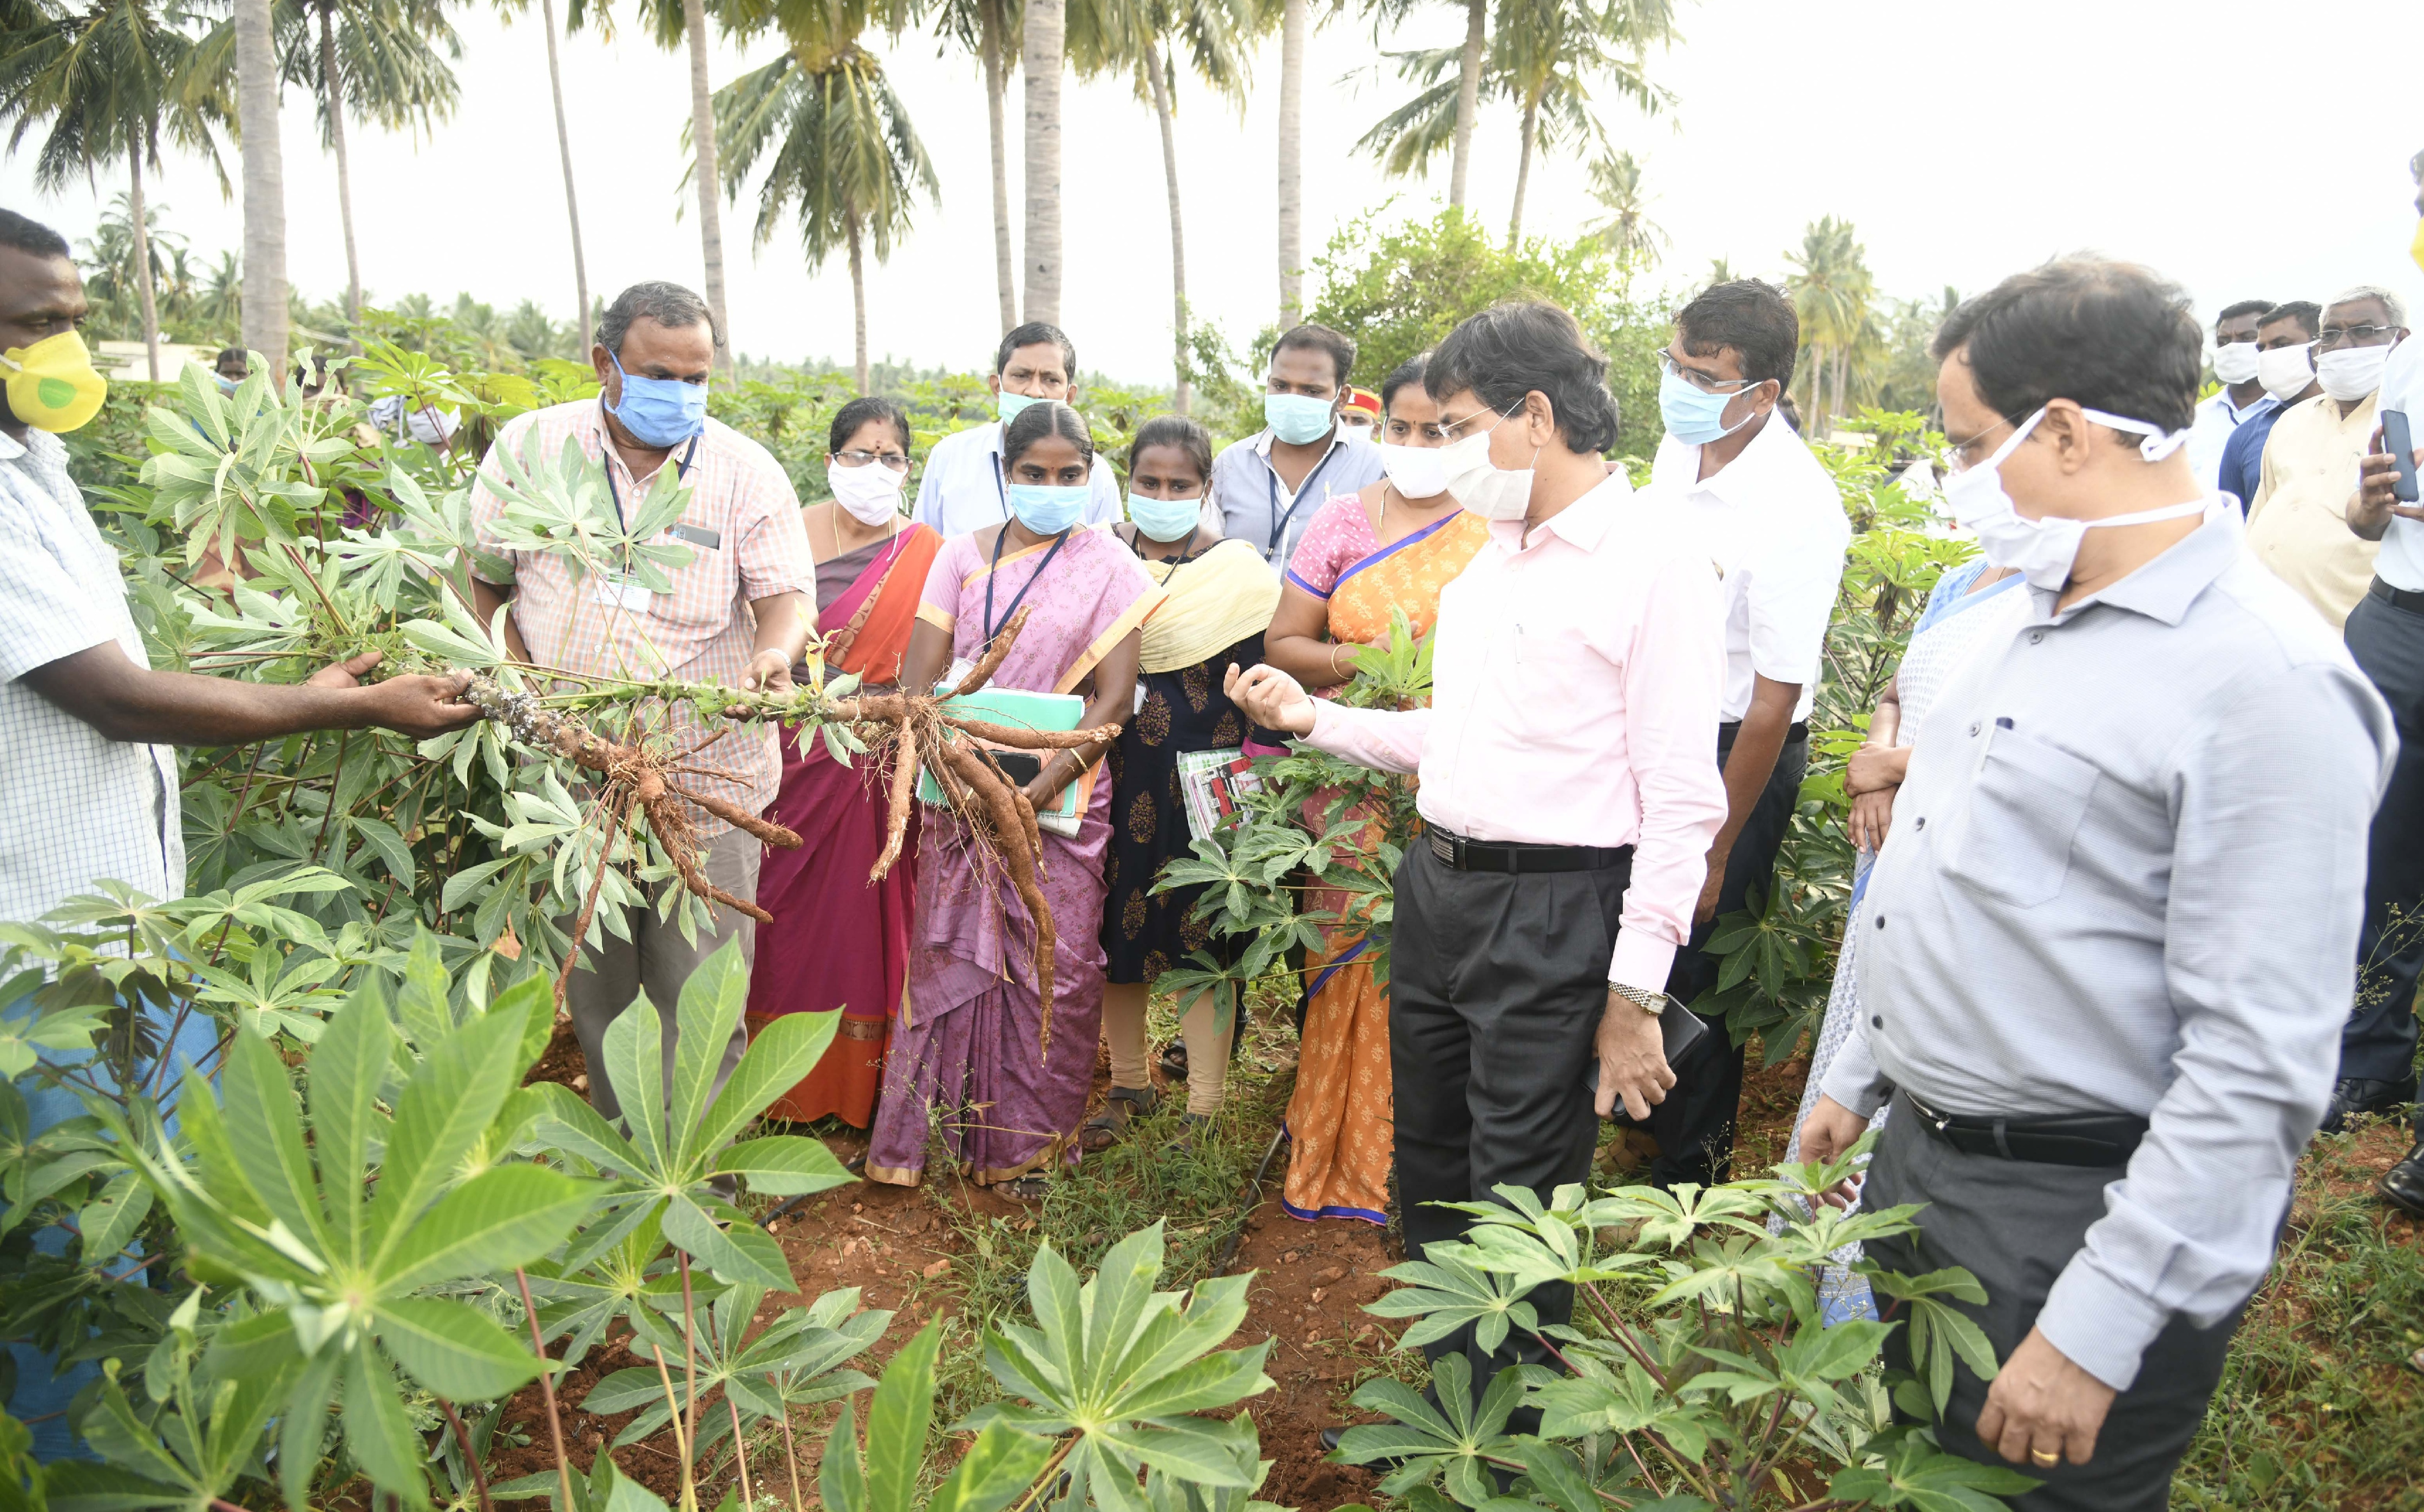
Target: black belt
x,y
2406,598
2092,1140
1726,733
1519,857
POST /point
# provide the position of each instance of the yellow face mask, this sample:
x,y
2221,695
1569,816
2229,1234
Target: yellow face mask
x,y
54,385
2415,248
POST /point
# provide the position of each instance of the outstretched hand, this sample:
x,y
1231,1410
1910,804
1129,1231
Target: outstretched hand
x,y
415,705
1270,698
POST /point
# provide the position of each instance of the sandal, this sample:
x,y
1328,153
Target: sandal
x,y
1173,1063
1106,1128
1025,1188
1190,1127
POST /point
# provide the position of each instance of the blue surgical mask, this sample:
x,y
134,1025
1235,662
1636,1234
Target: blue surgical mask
x,y
659,411
1693,417
1047,509
1164,519
1007,405
1295,419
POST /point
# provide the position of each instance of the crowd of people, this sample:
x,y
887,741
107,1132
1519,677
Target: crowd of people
x,y
2140,818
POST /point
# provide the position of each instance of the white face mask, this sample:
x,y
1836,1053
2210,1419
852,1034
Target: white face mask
x,y
2351,373
2235,362
2042,550
2286,371
1480,485
1418,471
871,493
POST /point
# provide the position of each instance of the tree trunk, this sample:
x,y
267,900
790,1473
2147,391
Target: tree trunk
x,y
702,133
143,258
1042,59
1294,25
265,184
1163,109
858,298
1467,96
1005,263
1523,171
563,150
333,91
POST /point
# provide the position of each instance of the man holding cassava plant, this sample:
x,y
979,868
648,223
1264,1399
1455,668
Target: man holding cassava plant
x,y
86,724
735,613
1774,525
2111,943
1567,791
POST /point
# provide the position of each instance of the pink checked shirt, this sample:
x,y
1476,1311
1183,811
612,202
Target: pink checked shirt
x,y
1576,687
700,633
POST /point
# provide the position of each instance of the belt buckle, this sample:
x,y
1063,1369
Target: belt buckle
x,y
1443,847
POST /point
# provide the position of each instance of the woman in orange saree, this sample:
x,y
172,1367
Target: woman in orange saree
x,y
1390,549
837,939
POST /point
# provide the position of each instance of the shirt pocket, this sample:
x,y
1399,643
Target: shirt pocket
x,y
2026,804
1552,668
703,589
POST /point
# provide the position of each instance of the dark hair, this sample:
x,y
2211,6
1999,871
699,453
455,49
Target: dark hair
x,y
236,352
1187,434
2106,335
1036,333
1513,349
1311,337
30,236
669,305
1046,417
848,419
2308,314
1753,318
2242,307
1410,371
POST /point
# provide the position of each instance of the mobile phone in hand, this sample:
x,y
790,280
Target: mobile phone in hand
x,y
2401,446
1679,1030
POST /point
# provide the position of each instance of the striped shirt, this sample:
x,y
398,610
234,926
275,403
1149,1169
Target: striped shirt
x,y
78,806
702,632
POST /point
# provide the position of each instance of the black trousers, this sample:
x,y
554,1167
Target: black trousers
x,y
2015,1224
1695,1126
1496,987
2378,1042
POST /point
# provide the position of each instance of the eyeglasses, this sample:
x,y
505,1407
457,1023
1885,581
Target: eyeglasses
x,y
897,461
1447,429
1956,455
2331,336
1702,381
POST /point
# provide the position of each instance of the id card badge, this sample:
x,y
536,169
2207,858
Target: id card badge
x,y
622,593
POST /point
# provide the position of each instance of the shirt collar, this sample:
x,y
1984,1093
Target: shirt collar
x,y
10,448
1583,524
2165,587
1737,480
1264,438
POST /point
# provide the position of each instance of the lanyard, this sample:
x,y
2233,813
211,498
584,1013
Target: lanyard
x,y
992,625
1186,549
681,469
1280,521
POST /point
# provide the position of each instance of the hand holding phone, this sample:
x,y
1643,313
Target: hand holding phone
x,y
2399,441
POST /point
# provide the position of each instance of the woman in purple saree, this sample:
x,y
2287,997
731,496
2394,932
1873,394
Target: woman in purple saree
x,y
967,1061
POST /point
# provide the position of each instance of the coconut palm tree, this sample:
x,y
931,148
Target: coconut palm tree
x,y
1387,14
104,84
1832,293
384,59
264,181
563,150
1296,30
1143,38
1041,58
1626,229
839,153
991,30
120,256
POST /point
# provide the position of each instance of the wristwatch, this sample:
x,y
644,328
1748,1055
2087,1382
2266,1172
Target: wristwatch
x,y
1648,1002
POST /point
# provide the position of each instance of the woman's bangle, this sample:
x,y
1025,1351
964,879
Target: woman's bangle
x,y
1333,663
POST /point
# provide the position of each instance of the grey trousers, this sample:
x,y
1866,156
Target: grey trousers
x,y
2016,1224
658,959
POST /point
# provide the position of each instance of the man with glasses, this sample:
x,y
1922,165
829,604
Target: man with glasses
x,y
2234,362
2285,366
2297,523
1774,525
1266,488
962,491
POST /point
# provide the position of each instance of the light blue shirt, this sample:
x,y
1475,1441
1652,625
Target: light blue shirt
x,y
961,490
1252,505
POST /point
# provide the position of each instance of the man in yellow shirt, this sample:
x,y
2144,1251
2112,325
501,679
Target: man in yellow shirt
x,y
2296,525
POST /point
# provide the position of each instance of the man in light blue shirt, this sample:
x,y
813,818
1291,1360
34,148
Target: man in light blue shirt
x,y
1268,488
962,489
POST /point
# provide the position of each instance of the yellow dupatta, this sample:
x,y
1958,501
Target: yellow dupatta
x,y
1215,601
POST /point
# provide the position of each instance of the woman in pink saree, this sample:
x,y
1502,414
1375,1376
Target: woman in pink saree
x,y
968,1063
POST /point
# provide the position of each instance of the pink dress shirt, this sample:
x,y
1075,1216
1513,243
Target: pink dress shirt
x,y
1577,682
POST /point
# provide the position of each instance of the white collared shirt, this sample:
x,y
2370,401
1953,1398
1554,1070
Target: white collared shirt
x,y
961,490
1774,526
2400,563
2216,418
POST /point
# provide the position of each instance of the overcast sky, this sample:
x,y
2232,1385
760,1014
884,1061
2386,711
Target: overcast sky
x,y
2245,149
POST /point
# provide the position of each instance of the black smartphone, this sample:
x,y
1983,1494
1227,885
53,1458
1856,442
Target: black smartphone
x,y
2401,443
1679,1030
1021,766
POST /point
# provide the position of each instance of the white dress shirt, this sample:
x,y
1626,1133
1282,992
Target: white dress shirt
x,y
2400,563
1774,523
1574,687
2216,418
962,491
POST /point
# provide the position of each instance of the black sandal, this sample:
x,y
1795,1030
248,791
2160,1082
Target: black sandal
x,y
1025,1188
1106,1128
1173,1063
1191,1128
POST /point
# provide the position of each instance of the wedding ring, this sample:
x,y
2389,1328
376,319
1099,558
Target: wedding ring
x,y
2046,1457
